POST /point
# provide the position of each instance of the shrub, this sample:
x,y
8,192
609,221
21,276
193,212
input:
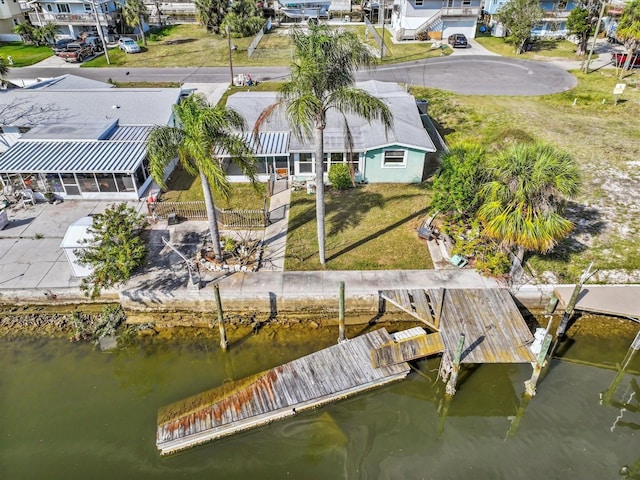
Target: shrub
x,y
340,176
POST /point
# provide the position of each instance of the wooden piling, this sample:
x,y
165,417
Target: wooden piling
x,y
572,303
341,305
450,389
530,385
223,335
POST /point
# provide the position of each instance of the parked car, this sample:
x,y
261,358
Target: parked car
x,y
457,40
128,45
95,43
77,52
61,44
619,59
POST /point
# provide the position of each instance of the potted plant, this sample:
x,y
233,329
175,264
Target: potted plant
x,y
49,196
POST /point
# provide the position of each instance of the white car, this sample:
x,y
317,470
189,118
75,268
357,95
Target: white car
x,y
128,45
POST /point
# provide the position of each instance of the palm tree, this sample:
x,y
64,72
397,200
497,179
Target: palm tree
x,y
4,70
25,30
48,32
201,130
524,199
628,30
135,13
322,79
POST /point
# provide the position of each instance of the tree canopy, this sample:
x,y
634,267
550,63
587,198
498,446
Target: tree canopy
x,y
135,14
323,79
211,13
628,29
523,201
243,19
115,249
202,130
581,23
458,180
519,17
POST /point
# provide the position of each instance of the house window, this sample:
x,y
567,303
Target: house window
x,y
305,163
394,158
466,3
106,182
87,7
87,182
419,3
124,182
49,8
63,8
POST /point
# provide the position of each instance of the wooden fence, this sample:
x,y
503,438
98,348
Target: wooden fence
x,y
197,210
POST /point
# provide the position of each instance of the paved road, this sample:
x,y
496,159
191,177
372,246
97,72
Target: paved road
x,y
466,74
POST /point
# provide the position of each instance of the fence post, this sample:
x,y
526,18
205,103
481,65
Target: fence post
x,y
223,334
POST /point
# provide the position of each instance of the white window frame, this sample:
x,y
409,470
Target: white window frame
x,y
395,164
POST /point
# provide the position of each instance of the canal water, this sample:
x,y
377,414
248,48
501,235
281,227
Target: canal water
x,y
68,411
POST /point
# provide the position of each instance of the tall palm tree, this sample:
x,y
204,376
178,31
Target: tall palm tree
x,y
25,30
524,199
323,79
628,30
48,32
135,13
4,70
201,130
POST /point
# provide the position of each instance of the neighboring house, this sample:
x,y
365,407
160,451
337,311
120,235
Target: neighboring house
x,y
11,14
403,155
553,24
413,19
74,17
80,138
177,11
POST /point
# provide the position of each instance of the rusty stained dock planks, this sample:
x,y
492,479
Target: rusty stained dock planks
x,y
308,382
494,329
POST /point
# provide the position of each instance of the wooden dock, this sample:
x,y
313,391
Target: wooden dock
x,y
467,325
494,329
618,300
308,382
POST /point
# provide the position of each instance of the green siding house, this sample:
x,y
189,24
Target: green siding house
x,y
404,154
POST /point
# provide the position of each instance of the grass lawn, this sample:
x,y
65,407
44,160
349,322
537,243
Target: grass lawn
x,y
193,46
601,137
368,228
543,49
23,55
182,187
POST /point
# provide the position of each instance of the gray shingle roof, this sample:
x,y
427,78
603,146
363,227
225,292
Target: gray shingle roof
x,y
407,127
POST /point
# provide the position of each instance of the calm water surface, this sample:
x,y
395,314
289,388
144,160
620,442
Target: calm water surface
x,y
68,411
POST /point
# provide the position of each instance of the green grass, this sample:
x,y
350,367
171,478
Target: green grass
x,y
193,46
182,187
368,228
24,55
601,138
543,49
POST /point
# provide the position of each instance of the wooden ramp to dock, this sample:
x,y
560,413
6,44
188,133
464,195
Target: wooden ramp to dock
x,y
422,304
308,382
494,329
406,349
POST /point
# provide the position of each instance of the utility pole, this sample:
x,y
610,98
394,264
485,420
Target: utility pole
x,y
100,32
384,6
595,36
230,54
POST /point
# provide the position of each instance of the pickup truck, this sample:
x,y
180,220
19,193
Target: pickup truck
x,y
76,52
619,59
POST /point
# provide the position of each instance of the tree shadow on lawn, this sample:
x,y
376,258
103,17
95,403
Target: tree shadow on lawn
x,y
358,206
375,235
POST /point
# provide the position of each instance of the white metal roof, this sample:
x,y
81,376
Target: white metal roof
x,y
122,152
266,144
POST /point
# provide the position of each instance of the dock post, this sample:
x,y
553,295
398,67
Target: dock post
x,y
450,389
382,304
607,395
223,335
572,302
341,306
515,423
530,385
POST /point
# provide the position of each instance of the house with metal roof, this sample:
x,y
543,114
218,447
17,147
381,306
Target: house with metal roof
x,y
404,154
80,139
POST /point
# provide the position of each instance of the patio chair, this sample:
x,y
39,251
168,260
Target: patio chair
x,y
28,197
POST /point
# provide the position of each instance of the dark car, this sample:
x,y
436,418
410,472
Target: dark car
x,y
619,59
61,45
457,40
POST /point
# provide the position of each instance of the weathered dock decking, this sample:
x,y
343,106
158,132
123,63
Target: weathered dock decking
x,y
316,379
619,300
494,329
